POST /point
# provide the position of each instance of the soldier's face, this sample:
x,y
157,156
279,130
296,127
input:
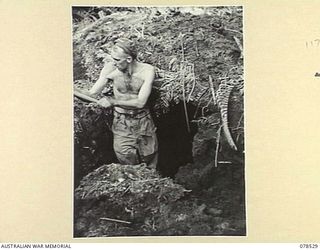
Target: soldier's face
x,y
120,59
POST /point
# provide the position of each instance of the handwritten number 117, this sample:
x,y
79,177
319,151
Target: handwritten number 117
x,y
313,43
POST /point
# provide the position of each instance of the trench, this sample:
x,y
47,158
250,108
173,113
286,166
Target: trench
x,y
174,145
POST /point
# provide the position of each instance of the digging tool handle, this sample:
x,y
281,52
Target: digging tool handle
x,y
84,97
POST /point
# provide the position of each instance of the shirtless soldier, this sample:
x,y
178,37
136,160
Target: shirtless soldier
x,y
133,129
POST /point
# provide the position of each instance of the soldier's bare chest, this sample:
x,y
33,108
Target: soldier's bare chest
x,y
125,83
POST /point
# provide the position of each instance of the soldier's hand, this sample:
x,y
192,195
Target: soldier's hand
x,y
104,103
93,105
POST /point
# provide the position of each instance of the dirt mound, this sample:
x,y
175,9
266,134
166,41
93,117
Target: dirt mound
x,y
118,200
129,193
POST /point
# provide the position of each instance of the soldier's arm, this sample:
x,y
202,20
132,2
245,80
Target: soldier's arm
x,y
105,75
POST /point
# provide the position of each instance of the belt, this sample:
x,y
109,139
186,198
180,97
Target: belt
x,y
131,112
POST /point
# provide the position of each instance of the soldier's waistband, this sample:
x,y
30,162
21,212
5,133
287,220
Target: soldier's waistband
x,y
132,112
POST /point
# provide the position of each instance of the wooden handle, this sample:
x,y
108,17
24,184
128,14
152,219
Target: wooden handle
x,y
84,97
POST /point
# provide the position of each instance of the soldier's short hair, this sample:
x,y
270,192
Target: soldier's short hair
x,y
128,46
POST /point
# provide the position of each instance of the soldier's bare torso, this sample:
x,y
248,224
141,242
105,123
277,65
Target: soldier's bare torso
x,y
125,86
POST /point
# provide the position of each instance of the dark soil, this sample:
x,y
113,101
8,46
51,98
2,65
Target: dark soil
x,y
215,205
216,208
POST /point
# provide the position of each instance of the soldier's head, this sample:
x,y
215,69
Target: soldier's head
x,y
123,53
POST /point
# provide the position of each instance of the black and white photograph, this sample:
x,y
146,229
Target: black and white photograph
x,y
158,121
